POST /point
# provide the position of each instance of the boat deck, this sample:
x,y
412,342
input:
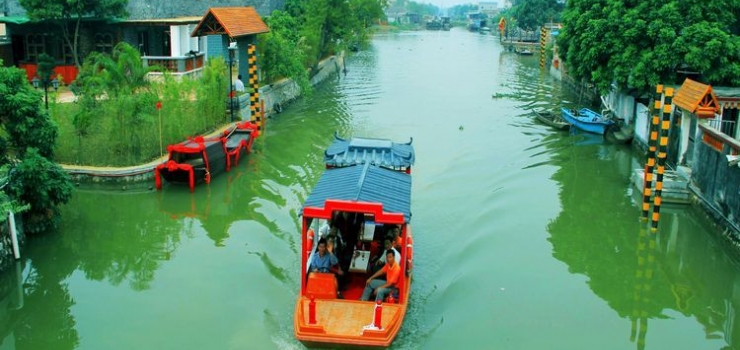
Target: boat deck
x,y
342,322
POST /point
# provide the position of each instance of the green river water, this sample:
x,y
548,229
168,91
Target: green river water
x,y
525,237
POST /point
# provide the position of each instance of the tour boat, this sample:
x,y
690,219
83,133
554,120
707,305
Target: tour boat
x,y
587,120
200,158
363,200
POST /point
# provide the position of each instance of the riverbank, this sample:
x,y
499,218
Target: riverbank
x,y
275,97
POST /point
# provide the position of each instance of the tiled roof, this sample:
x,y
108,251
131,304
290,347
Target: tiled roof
x,y
692,95
165,21
232,21
380,152
364,183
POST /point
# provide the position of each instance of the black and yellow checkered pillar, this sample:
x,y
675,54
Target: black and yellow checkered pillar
x,y
254,93
665,124
646,248
543,41
647,188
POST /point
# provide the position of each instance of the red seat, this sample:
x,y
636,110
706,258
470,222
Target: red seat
x,y
321,285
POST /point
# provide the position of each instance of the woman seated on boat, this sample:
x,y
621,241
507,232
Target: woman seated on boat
x,y
382,288
324,261
380,260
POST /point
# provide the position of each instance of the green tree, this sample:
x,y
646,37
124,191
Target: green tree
x,y
638,44
30,134
282,51
24,122
531,14
69,13
43,185
45,68
328,26
423,8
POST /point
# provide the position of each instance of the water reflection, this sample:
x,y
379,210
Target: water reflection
x,y
123,242
645,277
36,309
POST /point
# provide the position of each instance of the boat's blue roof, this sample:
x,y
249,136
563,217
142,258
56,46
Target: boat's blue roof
x,y
358,150
364,183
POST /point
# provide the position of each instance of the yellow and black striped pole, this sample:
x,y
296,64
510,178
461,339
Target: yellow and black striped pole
x,y
646,247
647,188
543,41
254,93
665,124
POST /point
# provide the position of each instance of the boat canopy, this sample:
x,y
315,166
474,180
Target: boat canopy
x,y
364,184
382,152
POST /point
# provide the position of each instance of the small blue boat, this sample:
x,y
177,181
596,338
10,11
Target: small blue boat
x,y
587,120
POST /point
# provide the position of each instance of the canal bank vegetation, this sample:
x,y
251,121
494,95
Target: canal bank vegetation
x,y
31,182
115,120
306,32
637,45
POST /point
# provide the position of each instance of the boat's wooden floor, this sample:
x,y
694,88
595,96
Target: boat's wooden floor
x,y
346,318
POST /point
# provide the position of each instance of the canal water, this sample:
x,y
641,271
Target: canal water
x,y
525,237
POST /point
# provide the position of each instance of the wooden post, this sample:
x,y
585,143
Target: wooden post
x,y
254,94
262,115
377,315
647,188
312,311
665,124
14,235
543,41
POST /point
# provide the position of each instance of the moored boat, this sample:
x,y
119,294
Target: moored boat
x,y
239,140
586,120
551,119
365,201
198,159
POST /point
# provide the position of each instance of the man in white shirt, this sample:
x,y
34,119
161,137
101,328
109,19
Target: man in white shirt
x,y
387,244
332,234
239,84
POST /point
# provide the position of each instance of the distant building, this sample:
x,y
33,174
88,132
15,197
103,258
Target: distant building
x,y
489,8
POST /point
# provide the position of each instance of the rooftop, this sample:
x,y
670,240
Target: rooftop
x,y
382,152
364,183
232,21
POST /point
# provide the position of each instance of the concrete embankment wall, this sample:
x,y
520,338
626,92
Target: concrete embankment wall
x,y
274,96
715,179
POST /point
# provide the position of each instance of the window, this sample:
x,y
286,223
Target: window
x,y
104,43
65,52
35,45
